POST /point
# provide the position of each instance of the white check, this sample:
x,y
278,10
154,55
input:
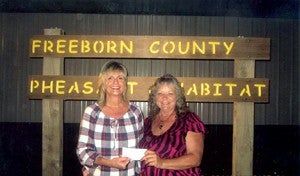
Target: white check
x,y
133,153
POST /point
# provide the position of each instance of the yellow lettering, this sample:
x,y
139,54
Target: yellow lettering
x,y
151,48
228,48
89,88
33,85
73,45
205,89
123,46
48,46
186,48
74,87
111,46
213,46
101,47
131,84
85,46
259,86
246,90
230,86
35,44
44,86
171,46
192,89
61,46
217,92
60,84
196,47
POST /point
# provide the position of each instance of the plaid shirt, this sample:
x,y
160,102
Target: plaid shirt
x,y
103,136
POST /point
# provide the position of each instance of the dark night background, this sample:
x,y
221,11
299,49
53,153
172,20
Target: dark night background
x,y
238,8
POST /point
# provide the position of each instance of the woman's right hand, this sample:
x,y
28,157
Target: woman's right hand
x,y
120,162
152,159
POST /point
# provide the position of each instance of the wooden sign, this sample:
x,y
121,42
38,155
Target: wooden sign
x,y
242,90
172,47
196,89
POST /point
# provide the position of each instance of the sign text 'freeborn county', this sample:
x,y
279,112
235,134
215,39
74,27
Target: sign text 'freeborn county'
x,y
179,47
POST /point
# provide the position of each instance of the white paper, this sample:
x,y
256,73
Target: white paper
x,y
133,153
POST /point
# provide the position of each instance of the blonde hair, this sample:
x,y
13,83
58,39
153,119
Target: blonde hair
x,y
108,67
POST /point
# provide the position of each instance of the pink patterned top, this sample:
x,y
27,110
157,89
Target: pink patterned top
x,y
171,144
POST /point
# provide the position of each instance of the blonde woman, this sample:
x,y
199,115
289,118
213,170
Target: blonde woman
x,y
108,125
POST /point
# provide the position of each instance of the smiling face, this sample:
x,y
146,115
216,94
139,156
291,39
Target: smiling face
x,y
115,83
166,97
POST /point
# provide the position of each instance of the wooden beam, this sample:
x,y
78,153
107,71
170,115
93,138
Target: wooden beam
x,y
243,125
52,114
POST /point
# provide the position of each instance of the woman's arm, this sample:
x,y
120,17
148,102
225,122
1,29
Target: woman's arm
x,y
86,149
193,157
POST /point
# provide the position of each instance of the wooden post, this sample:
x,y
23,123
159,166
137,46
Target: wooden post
x,y
243,125
52,113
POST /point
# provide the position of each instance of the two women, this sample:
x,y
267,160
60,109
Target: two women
x,y
173,135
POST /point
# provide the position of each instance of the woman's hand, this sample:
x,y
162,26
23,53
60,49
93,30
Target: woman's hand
x,y
152,159
120,162
192,158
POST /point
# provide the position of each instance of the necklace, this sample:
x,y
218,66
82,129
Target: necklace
x,y
161,125
162,122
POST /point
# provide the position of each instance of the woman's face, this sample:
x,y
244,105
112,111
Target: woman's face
x,y
115,83
166,97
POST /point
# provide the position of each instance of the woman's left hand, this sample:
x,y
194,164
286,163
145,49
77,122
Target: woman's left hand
x,y
152,159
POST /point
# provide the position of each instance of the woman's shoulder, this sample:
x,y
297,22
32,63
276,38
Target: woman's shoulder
x,y
193,122
189,115
92,108
94,105
134,107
